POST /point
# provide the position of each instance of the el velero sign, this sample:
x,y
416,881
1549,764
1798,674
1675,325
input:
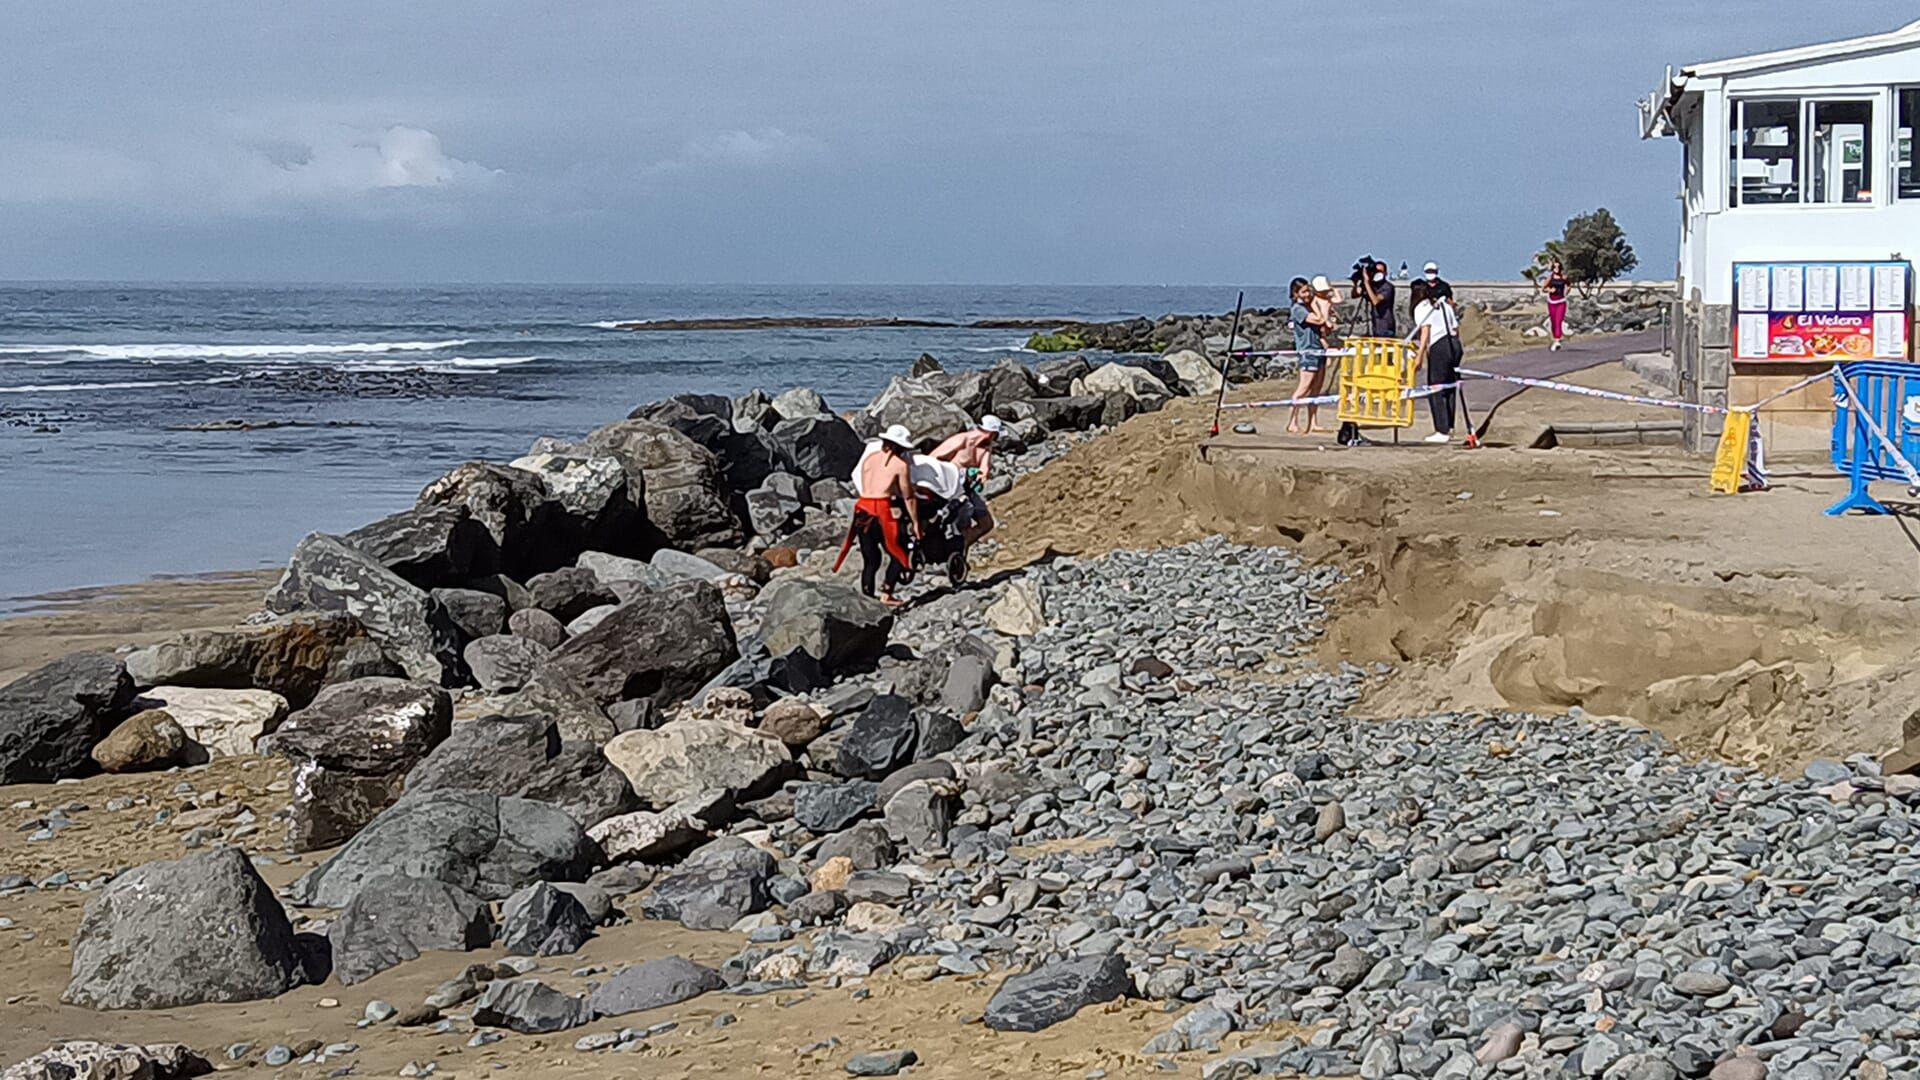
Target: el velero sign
x,y
1788,311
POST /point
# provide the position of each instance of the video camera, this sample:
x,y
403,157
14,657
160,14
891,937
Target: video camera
x,y
1362,269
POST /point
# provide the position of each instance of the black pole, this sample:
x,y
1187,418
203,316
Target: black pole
x,y
1226,357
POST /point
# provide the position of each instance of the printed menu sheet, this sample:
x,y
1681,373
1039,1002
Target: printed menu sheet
x,y
1856,288
1754,293
1788,282
1823,287
1889,288
1890,335
1752,337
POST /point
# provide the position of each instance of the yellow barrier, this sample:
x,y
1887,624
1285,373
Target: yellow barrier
x,y
1730,457
1374,382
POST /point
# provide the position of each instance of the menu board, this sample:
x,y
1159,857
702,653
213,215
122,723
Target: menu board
x,y
1800,311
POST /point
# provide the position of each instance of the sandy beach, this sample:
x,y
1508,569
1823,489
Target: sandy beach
x,y
1496,586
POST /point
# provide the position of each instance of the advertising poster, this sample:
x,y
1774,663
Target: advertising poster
x,y
1822,312
1826,335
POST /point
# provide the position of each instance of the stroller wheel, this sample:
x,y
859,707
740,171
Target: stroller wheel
x,y
957,567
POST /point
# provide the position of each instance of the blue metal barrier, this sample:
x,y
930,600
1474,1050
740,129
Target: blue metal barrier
x,y
1889,394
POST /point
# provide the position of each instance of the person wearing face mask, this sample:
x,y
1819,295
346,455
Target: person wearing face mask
x,y
1377,291
1437,287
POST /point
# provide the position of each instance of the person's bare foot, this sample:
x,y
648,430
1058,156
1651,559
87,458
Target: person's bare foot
x,y
892,601
1293,428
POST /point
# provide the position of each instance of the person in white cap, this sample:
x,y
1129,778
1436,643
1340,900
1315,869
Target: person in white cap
x,y
883,486
972,450
1437,287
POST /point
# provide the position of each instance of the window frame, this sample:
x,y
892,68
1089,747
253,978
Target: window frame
x,y
1893,143
1881,177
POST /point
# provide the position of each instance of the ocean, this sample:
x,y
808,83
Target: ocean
x,y
374,391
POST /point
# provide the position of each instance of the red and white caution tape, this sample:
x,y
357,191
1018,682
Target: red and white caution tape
x,y
1778,394
1329,399
1588,391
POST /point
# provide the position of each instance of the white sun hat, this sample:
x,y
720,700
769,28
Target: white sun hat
x,y
991,424
899,436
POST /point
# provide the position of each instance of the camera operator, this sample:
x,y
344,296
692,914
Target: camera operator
x,y
1370,283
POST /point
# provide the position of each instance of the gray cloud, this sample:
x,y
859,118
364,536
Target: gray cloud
x,y
846,140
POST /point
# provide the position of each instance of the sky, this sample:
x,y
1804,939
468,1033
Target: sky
x,y
715,141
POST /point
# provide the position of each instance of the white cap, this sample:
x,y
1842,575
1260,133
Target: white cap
x,y
1321,284
1432,267
899,436
991,424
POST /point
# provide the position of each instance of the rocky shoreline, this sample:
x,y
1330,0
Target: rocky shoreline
x,y
612,681
1614,309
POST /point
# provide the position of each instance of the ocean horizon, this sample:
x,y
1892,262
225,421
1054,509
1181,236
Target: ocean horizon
x,y
189,427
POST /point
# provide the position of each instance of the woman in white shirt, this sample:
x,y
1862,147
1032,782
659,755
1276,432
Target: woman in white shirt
x,y
1437,334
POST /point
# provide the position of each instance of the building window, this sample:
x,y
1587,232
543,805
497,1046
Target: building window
x,y
1909,100
1840,151
1765,165
1796,151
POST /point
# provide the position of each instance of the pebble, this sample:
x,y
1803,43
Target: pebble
x,y
1427,894
881,1062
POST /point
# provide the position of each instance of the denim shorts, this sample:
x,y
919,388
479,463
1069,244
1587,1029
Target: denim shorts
x,y
1313,359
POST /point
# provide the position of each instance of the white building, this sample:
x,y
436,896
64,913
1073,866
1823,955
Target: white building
x,y
1799,178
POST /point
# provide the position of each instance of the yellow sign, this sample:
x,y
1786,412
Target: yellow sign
x,y
1374,382
1730,457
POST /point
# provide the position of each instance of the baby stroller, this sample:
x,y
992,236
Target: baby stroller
x,y
943,539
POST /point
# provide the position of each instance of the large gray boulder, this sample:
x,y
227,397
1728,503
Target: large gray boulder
x,y
351,751
429,546
799,402
818,447
1076,412
87,1059
714,888
654,984
51,717
576,714
569,592
474,614
526,525
293,656
503,662
529,1006
1009,381
686,504
525,756
929,414
829,621
881,739
182,932
541,920
489,845
398,917
327,574
660,645
482,842
1054,992
777,506
695,755
605,507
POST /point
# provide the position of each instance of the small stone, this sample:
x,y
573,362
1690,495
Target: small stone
x,y
881,1062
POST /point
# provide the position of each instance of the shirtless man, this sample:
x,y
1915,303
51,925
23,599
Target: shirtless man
x,y
972,450
883,482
